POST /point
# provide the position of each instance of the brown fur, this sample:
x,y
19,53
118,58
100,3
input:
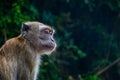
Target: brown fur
x,y
19,59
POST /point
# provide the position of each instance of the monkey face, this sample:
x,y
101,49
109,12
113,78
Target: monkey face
x,y
46,38
39,36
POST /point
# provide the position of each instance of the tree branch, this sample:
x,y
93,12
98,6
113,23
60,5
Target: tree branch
x,y
107,67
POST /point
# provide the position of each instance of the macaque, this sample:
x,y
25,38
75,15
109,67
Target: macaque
x,y
20,56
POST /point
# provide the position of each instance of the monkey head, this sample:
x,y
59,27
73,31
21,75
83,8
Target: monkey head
x,y
39,36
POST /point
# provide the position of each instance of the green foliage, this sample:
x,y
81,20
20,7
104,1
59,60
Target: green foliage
x,y
91,77
11,18
49,71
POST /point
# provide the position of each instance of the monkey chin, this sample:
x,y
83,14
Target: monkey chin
x,y
48,48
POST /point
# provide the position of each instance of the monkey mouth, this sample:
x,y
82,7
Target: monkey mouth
x,y
49,46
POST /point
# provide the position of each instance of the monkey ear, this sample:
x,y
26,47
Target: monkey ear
x,y
24,29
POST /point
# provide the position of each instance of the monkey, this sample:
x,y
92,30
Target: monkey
x,y
20,57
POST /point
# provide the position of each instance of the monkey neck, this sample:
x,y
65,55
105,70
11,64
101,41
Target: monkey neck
x,y
25,45
20,38
31,57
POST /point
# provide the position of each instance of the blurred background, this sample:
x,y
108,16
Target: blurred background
x,y
87,34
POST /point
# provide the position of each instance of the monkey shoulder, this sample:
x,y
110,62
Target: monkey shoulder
x,y
10,46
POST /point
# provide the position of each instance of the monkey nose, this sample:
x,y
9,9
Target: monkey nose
x,y
52,40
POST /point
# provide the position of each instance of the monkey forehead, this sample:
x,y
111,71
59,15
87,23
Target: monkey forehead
x,y
43,27
38,25
33,23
